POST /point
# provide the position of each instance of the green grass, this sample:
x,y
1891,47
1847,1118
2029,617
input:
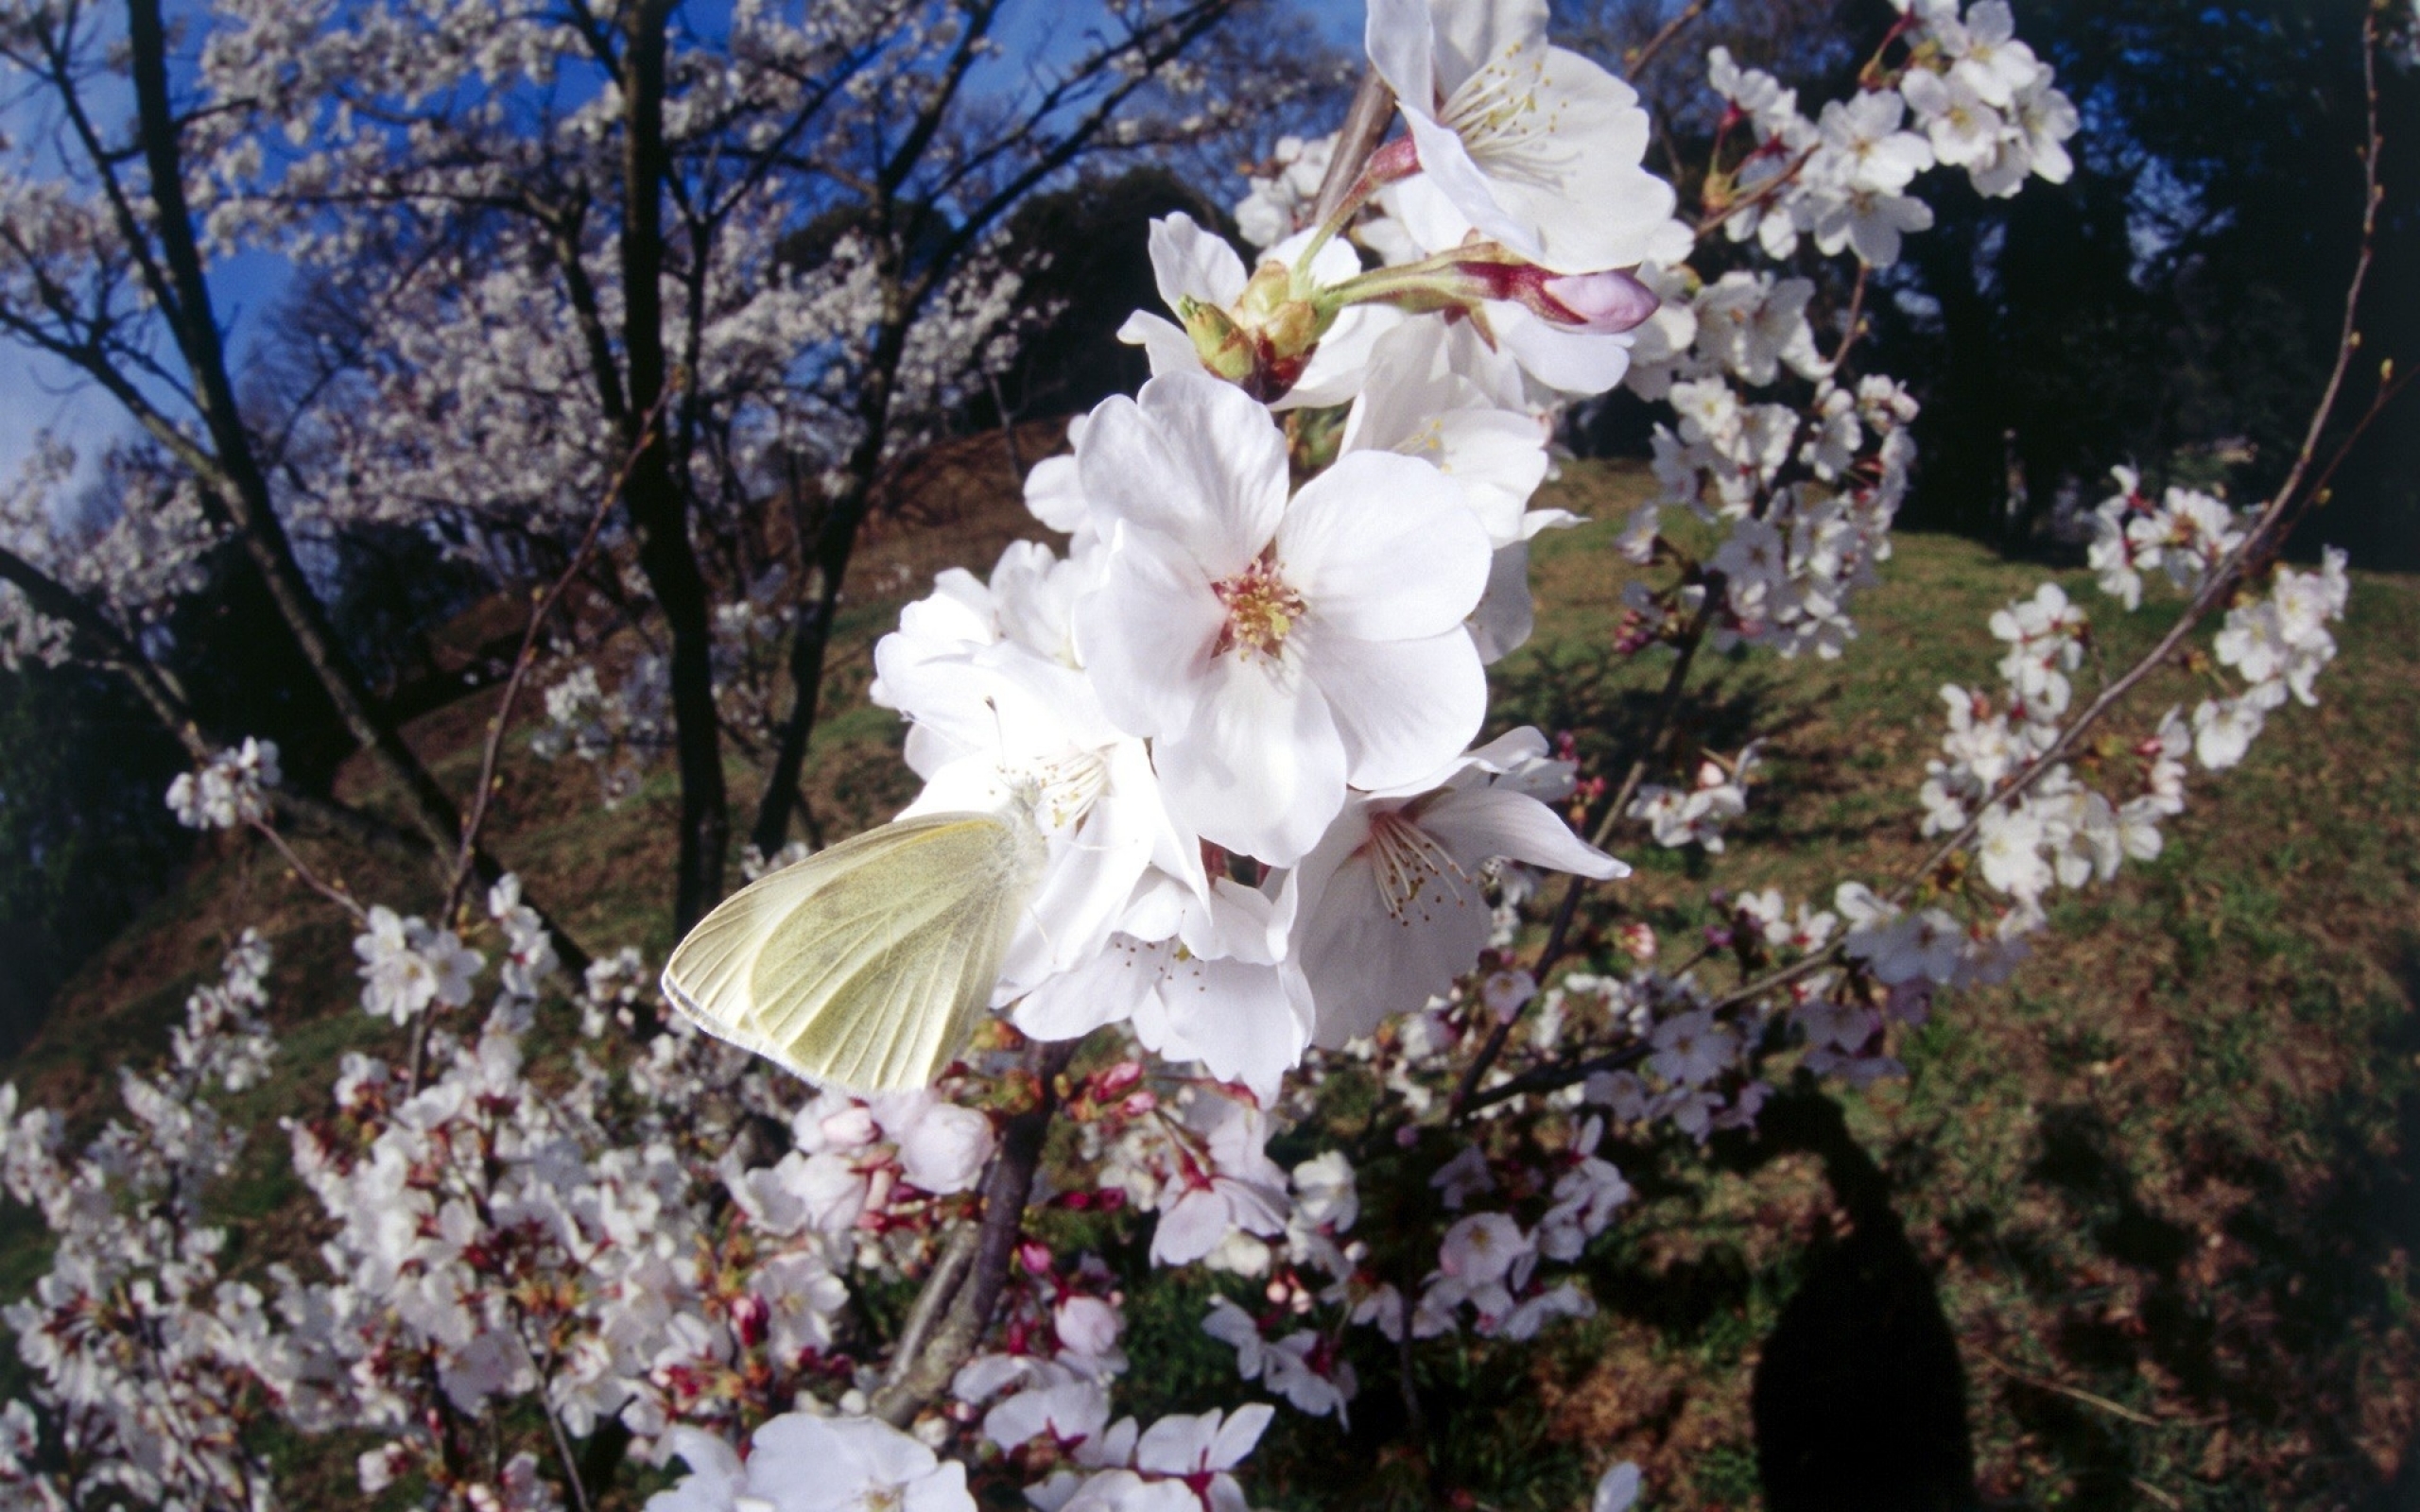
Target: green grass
x,y
2162,1179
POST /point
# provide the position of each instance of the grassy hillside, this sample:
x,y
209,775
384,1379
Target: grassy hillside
x,y
2160,1183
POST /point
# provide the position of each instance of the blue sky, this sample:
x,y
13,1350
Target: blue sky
x,y
38,393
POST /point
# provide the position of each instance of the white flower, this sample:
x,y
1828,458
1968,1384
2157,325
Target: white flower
x,y
2008,846
1872,152
1276,207
1190,265
1324,1192
1691,1049
943,1147
1963,126
1480,1248
1086,1326
1989,56
529,950
1539,147
2224,731
1202,978
1388,908
231,789
1238,1188
1278,649
803,1461
1873,222
409,966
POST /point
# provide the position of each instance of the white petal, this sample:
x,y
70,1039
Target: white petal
x,y
1364,963
1244,1023
1105,990
1190,263
1480,824
1404,708
1594,207
1193,459
1397,36
1148,632
1505,616
1260,767
1163,341
1576,362
1383,547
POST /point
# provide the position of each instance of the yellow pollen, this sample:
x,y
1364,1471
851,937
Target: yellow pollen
x,y
1261,609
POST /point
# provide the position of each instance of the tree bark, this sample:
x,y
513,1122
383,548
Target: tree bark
x,y
242,487
811,640
658,506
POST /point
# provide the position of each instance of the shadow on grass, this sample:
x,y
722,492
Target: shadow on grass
x,y
1859,1399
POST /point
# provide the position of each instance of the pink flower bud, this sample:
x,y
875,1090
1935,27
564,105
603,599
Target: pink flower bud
x,y
1601,303
751,1317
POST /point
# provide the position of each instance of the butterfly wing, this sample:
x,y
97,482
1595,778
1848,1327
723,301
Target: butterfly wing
x,y
864,966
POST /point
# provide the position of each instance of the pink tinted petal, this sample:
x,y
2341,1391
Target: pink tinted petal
x,y
1384,547
1260,767
1404,708
1607,303
1190,1230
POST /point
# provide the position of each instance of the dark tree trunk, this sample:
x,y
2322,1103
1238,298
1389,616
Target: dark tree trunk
x,y
658,508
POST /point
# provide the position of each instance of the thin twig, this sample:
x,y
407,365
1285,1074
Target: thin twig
x,y
2116,1409
306,876
1850,332
467,853
1559,932
1008,1185
553,1421
1635,64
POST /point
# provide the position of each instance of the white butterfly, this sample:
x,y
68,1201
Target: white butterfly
x,y
863,966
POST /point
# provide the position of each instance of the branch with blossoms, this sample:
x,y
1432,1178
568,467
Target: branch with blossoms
x,y
1242,715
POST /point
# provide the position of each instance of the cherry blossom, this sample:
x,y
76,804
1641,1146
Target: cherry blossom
x,y
1278,647
1536,147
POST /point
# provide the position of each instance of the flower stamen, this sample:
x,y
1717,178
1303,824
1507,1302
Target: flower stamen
x,y
1406,860
1261,609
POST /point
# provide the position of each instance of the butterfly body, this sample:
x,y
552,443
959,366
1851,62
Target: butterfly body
x,y
864,966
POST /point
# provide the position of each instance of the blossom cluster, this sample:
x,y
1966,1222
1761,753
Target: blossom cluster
x,y
232,789
1243,703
